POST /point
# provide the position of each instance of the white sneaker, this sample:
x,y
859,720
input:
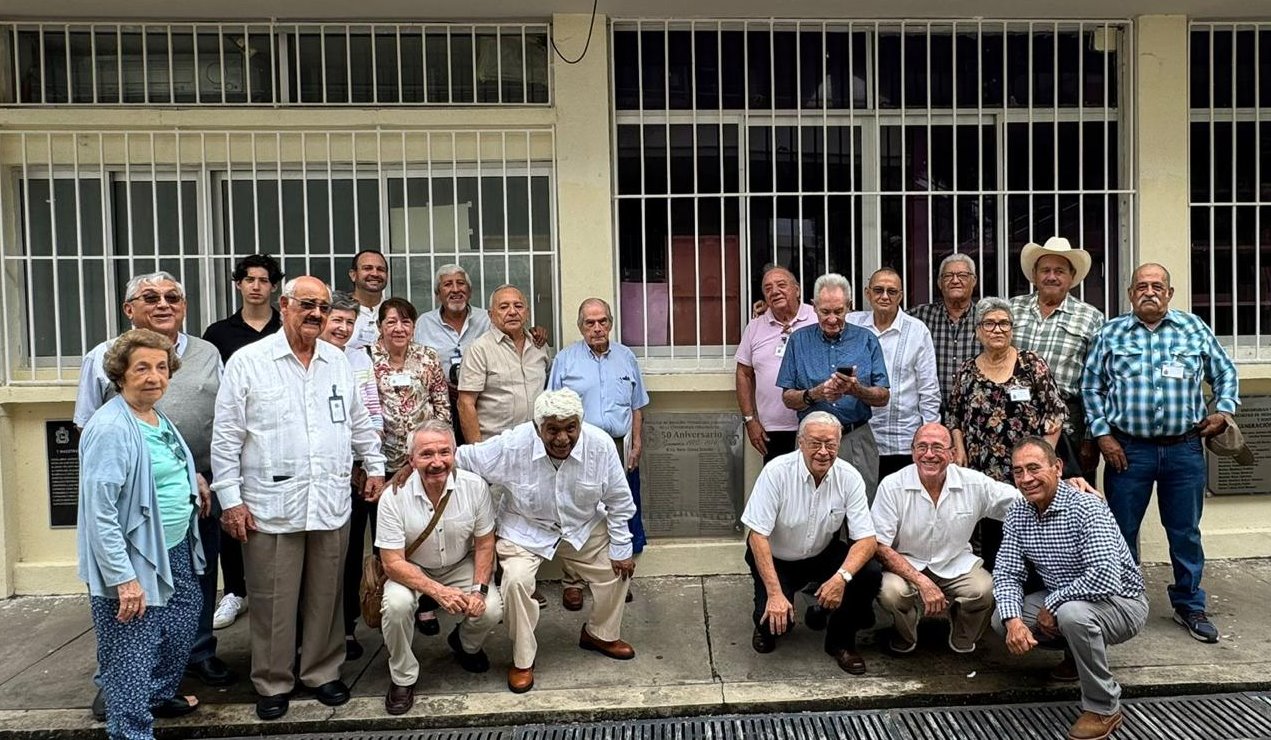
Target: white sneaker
x,y
228,610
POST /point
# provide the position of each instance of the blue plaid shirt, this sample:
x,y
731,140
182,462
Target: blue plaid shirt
x,y
1075,546
1125,386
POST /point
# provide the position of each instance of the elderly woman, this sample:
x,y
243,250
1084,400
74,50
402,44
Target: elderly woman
x,y
139,547
998,398
411,383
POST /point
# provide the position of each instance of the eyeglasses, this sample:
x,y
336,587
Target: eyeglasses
x,y
951,276
815,446
923,448
151,299
1001,326
880,290
307,305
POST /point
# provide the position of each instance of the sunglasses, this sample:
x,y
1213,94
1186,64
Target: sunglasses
x,y
307,305
174,446
152,299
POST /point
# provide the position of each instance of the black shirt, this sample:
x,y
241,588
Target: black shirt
x,y
232,334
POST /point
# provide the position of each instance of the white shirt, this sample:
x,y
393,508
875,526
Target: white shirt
x,y
93,382
800,518
284,436
366,330
915,387
544,505
404,514
938,536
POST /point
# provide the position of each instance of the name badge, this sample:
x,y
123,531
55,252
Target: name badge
x,y
1173,370
399,380
781,349
336,407
1021,394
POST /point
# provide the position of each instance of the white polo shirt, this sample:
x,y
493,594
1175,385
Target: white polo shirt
x,y
800,518
404,513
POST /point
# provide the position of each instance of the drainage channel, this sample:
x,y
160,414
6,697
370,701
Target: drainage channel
x,y
1244,716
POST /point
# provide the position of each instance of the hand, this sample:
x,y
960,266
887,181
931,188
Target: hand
x,y
358,478
132,602
205,495
757,435
850,385
400,477
373,487
779,614
538,335
830,593
237,521
1081,484
633,456
1212,425
1113,453
934,602
959,455
1088,455
1046,623
452,600
624,569
476,605
831,390
1019,638
757,308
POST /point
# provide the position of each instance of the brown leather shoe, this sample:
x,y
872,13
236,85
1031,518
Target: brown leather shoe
x,y
399,699
572,599
520,680
1066,671
616,649
1094,726
849,660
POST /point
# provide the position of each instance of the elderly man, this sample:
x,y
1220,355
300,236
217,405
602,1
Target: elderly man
x,y
156,301
569,503
1059,327
502,372
1093,592
838,368
951,320
770,425
607,377
289,417
1144,392
800,502
911,369
436,540
369,274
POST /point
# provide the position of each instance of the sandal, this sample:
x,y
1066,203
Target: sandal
x,y
177,706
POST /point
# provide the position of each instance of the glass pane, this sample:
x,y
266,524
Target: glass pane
x,y
153,219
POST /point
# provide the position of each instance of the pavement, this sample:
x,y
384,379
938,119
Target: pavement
x,y
692,637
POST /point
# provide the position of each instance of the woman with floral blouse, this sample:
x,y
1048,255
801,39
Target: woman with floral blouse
x,y
411,384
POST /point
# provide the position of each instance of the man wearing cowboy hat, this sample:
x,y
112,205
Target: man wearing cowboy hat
x,y
1060,327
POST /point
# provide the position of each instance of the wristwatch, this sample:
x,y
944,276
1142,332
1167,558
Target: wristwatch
x,y
846,576
747,419
807,397
479,588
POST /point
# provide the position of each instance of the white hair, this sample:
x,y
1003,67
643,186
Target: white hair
x,y
987,306
957,257
445,270
821,417
135,285
561,404
289,287
831,281
434,426
503,287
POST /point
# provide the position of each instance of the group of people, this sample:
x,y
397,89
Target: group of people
x,y
892,442
970,413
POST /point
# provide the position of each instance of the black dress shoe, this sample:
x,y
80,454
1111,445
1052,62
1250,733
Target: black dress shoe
x,y
352,648
212,672
763,642
816,617
477,662
272,707
177,706
99,706
332,693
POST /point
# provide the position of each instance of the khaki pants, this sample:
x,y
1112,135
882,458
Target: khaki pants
x,y
286,573
860,449
970,600
520,569
398,624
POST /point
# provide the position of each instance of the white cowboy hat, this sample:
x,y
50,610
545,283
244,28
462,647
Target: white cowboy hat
x,y
1078,258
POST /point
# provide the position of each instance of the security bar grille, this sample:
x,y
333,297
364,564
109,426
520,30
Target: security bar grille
x,y
1231,183
83,212
275,64
849,146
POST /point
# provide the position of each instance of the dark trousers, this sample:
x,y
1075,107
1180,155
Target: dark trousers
x,y
210,533
855,613
363,513
232,567
779,443
888,464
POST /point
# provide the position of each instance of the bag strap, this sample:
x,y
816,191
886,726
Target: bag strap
x,y
432,524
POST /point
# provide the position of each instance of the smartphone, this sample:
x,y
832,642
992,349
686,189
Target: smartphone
x,y
848,370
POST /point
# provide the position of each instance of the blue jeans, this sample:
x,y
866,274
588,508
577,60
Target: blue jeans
x,y
1179,472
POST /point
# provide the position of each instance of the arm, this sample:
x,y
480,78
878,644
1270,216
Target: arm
x,y
229,434
878,392
1221,374
468,415
1009,574
619,507
364,437
438,390
486,460
637,427
88,397
779,613
745,381
1099,542
873,395
1093,390
104,464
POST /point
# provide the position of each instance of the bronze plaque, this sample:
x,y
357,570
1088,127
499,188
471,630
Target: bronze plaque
x,y
691,474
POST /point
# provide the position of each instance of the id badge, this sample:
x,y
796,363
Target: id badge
x,y
336,406
1021,395
1173,370
781,350
399,380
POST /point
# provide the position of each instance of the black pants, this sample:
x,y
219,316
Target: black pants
x,y
888,464
210,533
362,514
855,613
232,567
779,443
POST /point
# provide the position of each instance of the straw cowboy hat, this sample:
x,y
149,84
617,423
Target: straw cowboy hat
x,y
1078,258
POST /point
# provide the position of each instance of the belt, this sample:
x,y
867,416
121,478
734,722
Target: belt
x,y
849,428
1165,440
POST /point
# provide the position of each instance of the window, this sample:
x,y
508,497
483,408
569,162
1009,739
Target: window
x,y
1231,183
849,146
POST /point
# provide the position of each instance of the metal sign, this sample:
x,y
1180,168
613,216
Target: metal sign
x,y
691,472
1228,477
62,447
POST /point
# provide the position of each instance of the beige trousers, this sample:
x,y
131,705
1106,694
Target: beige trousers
x,y
286,573
520,569
398,624
970,604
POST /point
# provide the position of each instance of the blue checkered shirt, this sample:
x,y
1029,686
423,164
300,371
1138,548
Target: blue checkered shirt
x,y
1124,383
1075,546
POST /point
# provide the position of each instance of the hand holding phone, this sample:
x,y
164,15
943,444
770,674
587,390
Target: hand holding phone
x,y
847,370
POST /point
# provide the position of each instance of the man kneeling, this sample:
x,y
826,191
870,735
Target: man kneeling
x,y
1093,595
450,510
795,512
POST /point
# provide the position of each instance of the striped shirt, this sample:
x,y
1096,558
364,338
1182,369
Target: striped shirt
x,y
954,340
1150,383
1062,339
1074,545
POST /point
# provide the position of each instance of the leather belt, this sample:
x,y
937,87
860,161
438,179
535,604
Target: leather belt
x,y
1166,440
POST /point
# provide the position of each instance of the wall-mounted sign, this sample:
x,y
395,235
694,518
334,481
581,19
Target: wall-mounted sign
x,y
62,447
691,472
1228,477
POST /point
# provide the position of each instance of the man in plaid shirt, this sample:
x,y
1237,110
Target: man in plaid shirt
x,y
1093,593
1143,388
951,320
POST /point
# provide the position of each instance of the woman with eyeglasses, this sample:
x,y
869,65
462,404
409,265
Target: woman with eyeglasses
x,y
1001,396
138,537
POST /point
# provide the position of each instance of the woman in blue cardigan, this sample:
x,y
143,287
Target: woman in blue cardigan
x,y
139,547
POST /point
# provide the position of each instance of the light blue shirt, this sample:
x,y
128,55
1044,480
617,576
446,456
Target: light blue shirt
x,y
451,345
609,384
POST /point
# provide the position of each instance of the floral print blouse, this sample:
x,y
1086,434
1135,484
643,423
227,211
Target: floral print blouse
x,y
408,397
994,416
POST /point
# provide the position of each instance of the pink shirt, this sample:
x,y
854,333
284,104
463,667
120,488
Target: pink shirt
x,y
762,347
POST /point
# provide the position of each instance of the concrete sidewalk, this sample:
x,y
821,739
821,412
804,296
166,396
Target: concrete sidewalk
x,y
692,637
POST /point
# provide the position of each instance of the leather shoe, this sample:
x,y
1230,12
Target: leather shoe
x,y
399,699
540,598
816,617
572,599
212,672
849,660
477,662
332,693
352,648
1094,726
520,680
99,706
177,706
272,707
1066,671
763,642
616,649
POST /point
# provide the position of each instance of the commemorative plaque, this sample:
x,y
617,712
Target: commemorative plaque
x,y
1226,476
691,472
62,448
